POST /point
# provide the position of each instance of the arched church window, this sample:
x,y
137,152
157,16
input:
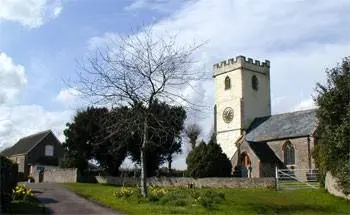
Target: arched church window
x,y
289,153
255,83
48,150
227,83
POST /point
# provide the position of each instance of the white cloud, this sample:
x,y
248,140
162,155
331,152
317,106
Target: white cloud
x,y
18,120
57,11
22,120
30,13
68,95
12,79
304,105
164,6
106,39
300,38
136,4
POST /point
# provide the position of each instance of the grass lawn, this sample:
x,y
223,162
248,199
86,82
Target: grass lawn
x,y
237,201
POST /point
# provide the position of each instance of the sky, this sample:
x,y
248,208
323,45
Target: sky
x,y
41,41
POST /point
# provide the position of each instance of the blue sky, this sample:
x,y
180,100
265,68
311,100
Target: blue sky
x,y
40,41
49,51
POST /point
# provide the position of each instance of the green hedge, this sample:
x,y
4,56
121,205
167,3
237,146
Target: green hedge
x,y
8,182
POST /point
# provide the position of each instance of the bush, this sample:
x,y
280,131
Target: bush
x,y
20,177
175,198
204,160
210,198
333,124
155,193
8,181
125,192
21,192
207,199
27,207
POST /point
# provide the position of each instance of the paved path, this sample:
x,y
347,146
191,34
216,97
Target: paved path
x,y
59,200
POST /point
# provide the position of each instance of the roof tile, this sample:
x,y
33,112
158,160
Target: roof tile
x,y
281,126
25,144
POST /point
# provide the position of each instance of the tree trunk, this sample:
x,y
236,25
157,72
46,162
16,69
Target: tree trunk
x,y
193,143
143,160
170,160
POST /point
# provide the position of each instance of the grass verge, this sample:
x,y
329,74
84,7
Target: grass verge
x,y
237,201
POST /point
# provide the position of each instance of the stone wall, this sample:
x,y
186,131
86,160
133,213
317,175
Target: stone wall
x,y
57,175
201,182
332,187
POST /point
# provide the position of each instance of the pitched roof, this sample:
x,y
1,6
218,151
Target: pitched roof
x,y
265,153
281,126
5,151
25,144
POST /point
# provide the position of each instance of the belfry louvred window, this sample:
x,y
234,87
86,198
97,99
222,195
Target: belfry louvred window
x,y
227,83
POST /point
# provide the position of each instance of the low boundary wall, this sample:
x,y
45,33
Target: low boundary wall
x,y
200,182
58,175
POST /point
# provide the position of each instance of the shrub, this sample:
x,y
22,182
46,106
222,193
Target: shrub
x,y
210,198
333,124
155,193
21,192
125,192
195,195
172,197
175,198
204,160
207,199
8,181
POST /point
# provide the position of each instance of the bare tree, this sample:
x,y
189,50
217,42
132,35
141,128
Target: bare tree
x,y
135,70
193,131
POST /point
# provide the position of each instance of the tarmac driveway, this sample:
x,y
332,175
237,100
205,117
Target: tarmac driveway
x,y
59,200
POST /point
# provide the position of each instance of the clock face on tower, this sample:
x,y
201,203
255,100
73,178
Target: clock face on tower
x,y
227,115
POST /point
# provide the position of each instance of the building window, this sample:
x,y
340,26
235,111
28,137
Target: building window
x,y
289,153
48,150
227,83
255,83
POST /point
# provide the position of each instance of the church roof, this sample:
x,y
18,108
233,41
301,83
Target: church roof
x,y
282,126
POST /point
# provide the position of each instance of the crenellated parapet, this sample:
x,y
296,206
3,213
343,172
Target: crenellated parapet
x,y
241,62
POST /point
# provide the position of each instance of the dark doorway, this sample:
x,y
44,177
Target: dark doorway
x,y
245,165
41,176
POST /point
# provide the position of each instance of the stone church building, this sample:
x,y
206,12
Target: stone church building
x,y
254,140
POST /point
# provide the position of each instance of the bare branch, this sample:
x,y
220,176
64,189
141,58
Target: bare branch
x,y
135,71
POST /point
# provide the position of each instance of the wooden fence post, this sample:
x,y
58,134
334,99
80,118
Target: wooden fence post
x,y
276,178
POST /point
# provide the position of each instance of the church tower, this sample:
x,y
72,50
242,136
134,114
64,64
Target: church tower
x,y
242,93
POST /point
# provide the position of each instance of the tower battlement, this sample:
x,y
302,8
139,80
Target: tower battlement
x,y
241,62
